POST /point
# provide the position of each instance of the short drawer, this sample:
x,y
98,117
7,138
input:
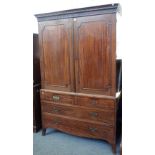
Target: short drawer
x,y
78,127
95,102
56,97
103,116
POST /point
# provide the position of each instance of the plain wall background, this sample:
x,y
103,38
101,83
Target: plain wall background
x,y
136,31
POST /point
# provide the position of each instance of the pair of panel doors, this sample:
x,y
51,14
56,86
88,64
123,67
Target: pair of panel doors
x,y
78,54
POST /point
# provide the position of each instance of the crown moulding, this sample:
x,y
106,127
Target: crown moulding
x,y
80,12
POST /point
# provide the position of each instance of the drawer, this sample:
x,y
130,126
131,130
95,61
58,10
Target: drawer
x,y
78,127
103,116
95,102
56,97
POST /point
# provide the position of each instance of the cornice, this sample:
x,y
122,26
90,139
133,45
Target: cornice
x,y
80,12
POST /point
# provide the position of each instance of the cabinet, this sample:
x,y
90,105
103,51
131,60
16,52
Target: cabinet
x,y
36,108
36,60
78,71
36,85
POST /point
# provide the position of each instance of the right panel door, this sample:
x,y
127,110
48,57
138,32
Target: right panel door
x,y
94,45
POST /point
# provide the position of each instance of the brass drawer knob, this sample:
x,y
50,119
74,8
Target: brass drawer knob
x,y
92,129
94,114
56,98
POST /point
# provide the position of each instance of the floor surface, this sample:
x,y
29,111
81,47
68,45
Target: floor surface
x,y
59,143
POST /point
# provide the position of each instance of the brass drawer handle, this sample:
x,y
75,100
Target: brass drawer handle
x,y
56,98
94,114
93,102
55,110
92,129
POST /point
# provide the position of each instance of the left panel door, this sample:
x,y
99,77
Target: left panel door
x,y
56,45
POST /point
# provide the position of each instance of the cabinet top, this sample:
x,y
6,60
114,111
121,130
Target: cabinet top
x,y
80,12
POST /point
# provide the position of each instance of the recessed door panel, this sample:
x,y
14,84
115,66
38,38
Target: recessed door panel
x,y
57,55
94,52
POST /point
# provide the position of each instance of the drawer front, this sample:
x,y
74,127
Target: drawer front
x,y
103,116
58,98
95,102
78,127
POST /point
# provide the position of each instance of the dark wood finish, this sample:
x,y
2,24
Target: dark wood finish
x,y
100,115
36,85
121,148
78,127
36,108
57,57
119,74
43,131
56,97
78,71
77,94
36,60
95,48
93,102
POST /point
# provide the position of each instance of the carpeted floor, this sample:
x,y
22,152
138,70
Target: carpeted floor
x,y
58,143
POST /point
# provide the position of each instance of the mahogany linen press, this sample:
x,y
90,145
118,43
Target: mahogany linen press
x,y
78,71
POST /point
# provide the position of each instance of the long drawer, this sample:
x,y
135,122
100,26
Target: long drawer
x,y
95,102
78,127
104,116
